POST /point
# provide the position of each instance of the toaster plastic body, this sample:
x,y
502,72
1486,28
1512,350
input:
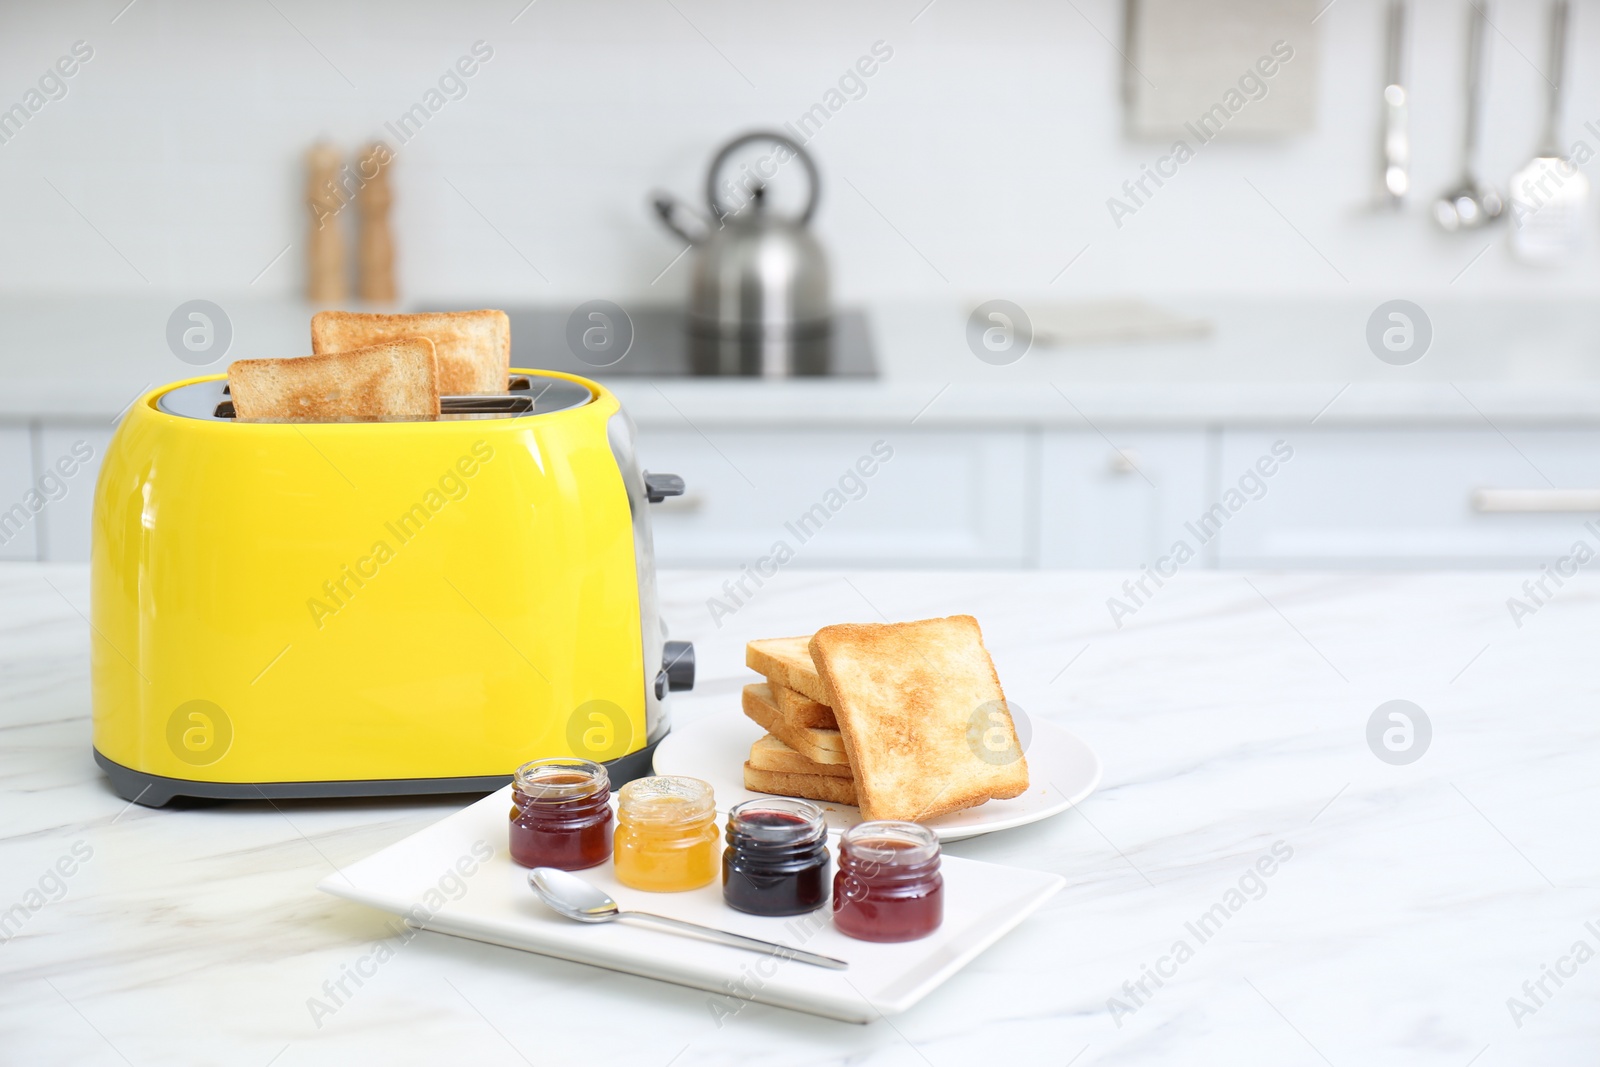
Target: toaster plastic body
x,y
371,608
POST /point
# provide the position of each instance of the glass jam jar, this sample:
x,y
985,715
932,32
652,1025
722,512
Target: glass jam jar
x,y
666,838
776,862
888,887
561,814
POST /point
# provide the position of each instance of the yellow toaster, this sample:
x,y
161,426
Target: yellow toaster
x,y
291,609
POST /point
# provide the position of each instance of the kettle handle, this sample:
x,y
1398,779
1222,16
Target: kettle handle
x,y
668,209
712,199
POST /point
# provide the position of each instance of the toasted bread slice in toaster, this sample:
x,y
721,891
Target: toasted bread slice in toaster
x,y
474,347
820,746
809,786
399,379
771,754
917,703
800,709
787,661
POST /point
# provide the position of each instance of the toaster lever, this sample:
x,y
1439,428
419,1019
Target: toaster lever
x,y
657,487
677,668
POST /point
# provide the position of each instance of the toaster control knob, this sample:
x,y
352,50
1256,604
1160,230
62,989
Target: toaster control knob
x,y
657,487
677,667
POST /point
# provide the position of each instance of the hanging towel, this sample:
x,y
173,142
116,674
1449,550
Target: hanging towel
x,y
1202,69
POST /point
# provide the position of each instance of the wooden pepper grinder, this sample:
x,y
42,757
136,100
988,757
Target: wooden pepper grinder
x,y
325,264
375,252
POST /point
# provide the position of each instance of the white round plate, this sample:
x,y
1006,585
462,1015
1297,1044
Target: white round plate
x,y
1062,770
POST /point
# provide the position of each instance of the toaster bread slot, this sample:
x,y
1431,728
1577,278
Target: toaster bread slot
x,y
477,404
528,394
485,403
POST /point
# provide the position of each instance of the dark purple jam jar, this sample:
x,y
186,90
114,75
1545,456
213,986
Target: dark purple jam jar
x,y
776,862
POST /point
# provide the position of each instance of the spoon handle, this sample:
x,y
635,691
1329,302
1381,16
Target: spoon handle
x,y
1477,42
1560,14
754,944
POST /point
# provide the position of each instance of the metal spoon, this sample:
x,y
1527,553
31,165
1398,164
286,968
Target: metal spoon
x,y
571,896
1471,204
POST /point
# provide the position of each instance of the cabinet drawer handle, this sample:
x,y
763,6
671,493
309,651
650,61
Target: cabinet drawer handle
x,y
1124,461
1533,501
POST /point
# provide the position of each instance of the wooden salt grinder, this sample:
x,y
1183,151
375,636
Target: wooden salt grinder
x,y
375,252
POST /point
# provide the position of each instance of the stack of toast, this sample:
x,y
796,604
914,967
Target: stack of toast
x,y
897,718
802,753
377,367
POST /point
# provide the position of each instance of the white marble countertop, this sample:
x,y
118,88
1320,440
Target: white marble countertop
x,y
1510,361
1230,712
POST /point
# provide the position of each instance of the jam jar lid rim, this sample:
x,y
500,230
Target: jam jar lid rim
x,y
813,828
594,778
918,844
699,799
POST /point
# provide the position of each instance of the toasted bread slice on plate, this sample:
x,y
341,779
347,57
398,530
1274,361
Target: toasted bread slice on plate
x,y
474,347
918,705
398,379
800,709
820,746
824,787
771,754
787,661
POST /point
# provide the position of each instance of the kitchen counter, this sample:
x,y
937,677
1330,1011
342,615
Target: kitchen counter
x,y
1265,362
1406,903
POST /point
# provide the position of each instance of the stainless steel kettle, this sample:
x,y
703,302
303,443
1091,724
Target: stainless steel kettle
x,y
758,298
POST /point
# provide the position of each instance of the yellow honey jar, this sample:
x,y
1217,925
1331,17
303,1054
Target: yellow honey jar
x,y
667,839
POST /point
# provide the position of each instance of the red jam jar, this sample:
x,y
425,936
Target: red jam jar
x,y
776,862
888,887
561,814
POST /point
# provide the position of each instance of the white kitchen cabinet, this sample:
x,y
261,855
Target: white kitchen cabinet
x,y
1347,498
1121,502
940,498
19,522
1415,498
73,453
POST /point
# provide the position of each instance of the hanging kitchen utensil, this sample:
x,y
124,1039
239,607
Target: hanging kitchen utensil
x,y
1471,203
758,296
1395,177
1549,195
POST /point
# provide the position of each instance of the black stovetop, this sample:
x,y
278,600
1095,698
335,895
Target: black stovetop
x,y
663,348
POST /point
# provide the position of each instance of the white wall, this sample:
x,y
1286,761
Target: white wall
x,y
991,141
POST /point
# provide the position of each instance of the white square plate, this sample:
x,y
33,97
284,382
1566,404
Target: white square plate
x,y
440,880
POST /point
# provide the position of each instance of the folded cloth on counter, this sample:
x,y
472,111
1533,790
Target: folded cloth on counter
x,y
1110,322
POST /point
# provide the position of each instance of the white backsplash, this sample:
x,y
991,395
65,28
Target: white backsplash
x,y
977,160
